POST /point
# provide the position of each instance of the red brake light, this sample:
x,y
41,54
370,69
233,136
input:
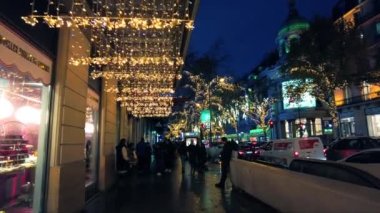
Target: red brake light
x,y
296,154
240,152
324,152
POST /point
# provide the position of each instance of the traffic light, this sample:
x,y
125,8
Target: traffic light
x,y
271,124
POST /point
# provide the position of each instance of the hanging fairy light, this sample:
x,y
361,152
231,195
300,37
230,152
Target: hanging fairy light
x,y
138,43
104,16
133,61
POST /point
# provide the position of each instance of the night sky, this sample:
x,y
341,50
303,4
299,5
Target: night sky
x,y
246,28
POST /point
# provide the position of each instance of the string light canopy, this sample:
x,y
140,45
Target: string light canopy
x,y
136,42
112,15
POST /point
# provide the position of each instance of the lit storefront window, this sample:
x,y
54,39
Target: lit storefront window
x,y
92,139
318,126
23,132
347,126
287,131
374,125
25,77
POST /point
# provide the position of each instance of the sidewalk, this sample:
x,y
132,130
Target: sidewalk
x,y
175,192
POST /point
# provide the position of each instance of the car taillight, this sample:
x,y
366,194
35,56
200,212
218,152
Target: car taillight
x,y
324,152
296,154
240,152
257,152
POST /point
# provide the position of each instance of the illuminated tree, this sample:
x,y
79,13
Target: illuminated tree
x,y
260,112
215,95
325,58
231,115
178,122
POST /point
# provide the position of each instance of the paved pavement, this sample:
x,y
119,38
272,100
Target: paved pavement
x,y
177,192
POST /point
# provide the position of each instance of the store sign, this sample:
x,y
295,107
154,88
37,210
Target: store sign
x,y
191,134
256,132
20,56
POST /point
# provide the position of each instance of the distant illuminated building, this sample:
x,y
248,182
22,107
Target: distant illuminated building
x,y
358,105
291,119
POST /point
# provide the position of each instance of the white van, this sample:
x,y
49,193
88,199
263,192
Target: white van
x,y
283,151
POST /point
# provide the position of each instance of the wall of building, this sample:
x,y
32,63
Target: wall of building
x,y
108,139
66,188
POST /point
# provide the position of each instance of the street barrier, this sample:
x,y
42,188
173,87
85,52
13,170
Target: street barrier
x,y
289,191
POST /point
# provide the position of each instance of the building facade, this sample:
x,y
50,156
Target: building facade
x,y
290,118
58,127
359,104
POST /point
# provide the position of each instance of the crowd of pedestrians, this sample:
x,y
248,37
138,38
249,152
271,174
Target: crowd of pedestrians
x,y
165,153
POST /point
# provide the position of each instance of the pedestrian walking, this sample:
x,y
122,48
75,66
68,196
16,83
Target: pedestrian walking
x,y
158,151
201,157
169,155
182,152
192,157
143,155
122,160
132,155
226,155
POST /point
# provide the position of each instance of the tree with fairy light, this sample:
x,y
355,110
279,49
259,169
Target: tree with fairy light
x,y
231,112
326,57
212,95
178,122
260,112
231,115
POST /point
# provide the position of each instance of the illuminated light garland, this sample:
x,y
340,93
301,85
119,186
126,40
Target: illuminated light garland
x,y
148,109
146,104
151,115
134,76
144,98
136,43
139,90
133,61
111,23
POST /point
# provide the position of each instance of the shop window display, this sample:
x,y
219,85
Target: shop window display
x,y
23,124
374,125
91,141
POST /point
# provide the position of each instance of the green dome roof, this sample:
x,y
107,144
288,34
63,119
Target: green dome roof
x,y
294,23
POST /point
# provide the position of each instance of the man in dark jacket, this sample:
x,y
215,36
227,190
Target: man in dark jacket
x,y
182,151
226,155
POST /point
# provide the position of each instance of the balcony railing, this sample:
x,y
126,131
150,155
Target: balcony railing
x,y
359,99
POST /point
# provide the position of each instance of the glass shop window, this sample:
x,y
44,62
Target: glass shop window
x,y
24,114
92,138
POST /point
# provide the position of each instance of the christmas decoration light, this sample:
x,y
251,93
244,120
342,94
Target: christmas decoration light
x,y
138,43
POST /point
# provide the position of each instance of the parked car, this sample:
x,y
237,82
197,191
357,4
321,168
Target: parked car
x,y
367,160
346,147
282,152
245,151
